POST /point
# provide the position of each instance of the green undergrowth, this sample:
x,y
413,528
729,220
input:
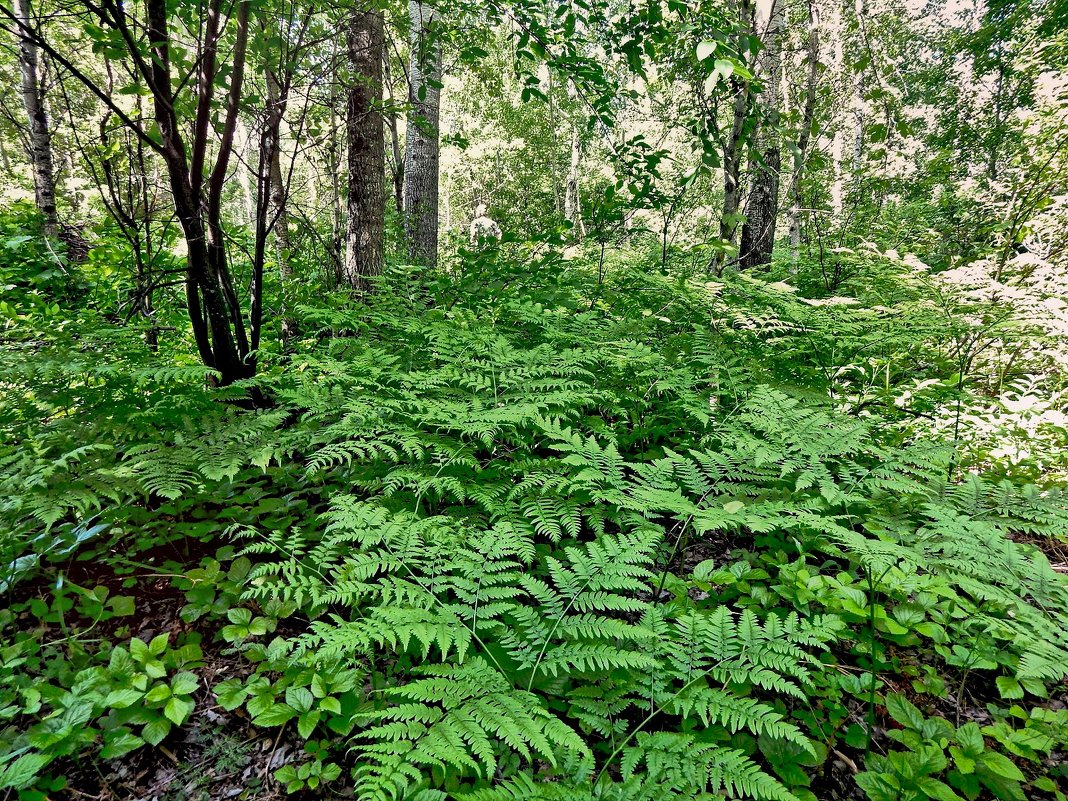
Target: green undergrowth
x,y
521,533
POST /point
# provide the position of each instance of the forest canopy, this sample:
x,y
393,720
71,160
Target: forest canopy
x,y
560,400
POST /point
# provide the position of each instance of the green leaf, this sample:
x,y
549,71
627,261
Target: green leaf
x,y
1009,687
971,738
1002,766
239,616
184,683
155,731
159,644
940,791
307,722
178,709
300,698
159,693
230,694
903,711
274,715
120,699
965,764
139,651
117,744
706,49
122,605
23,772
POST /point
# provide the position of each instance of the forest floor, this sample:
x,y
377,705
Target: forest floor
x,y
220,754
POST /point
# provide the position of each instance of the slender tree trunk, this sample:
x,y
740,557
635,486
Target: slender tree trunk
x,y
762,206
421,154
333,167
364,252
40,140
276,105
859,110
732,150
808,116
394,141
995,140
838,142
214,308
244,176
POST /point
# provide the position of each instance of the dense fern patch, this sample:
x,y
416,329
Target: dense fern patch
x,y
532,535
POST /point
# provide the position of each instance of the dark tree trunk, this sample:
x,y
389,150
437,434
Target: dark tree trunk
x,y
214,308
215,315
421,148
277,98
40,140
762,206
366,200
394,140
733,147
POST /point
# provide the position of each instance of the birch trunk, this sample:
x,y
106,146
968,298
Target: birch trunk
x,y
762,206
808,116
573,188
421,155
40,140
838,142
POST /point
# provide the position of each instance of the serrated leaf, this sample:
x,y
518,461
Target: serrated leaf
x,y
275,715
117,746
184,683
120,699
23,772
307,722
300,698
178,709
155,731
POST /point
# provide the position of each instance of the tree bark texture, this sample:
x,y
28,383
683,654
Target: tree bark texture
x,y
733,147
808,116
762,205
40,140
421,155
364,252
276,105
573,188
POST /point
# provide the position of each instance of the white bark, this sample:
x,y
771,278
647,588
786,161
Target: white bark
x,y
421,156
40,140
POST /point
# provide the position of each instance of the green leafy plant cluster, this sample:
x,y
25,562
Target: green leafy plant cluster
x,y
532,531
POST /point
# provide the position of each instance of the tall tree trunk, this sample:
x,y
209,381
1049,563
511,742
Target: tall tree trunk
x,y
573,189
40,140
214,308
808,116
860,9
838,70
364,252
421,153
762,206
732,149
394,141
995,139
334,159
276,102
